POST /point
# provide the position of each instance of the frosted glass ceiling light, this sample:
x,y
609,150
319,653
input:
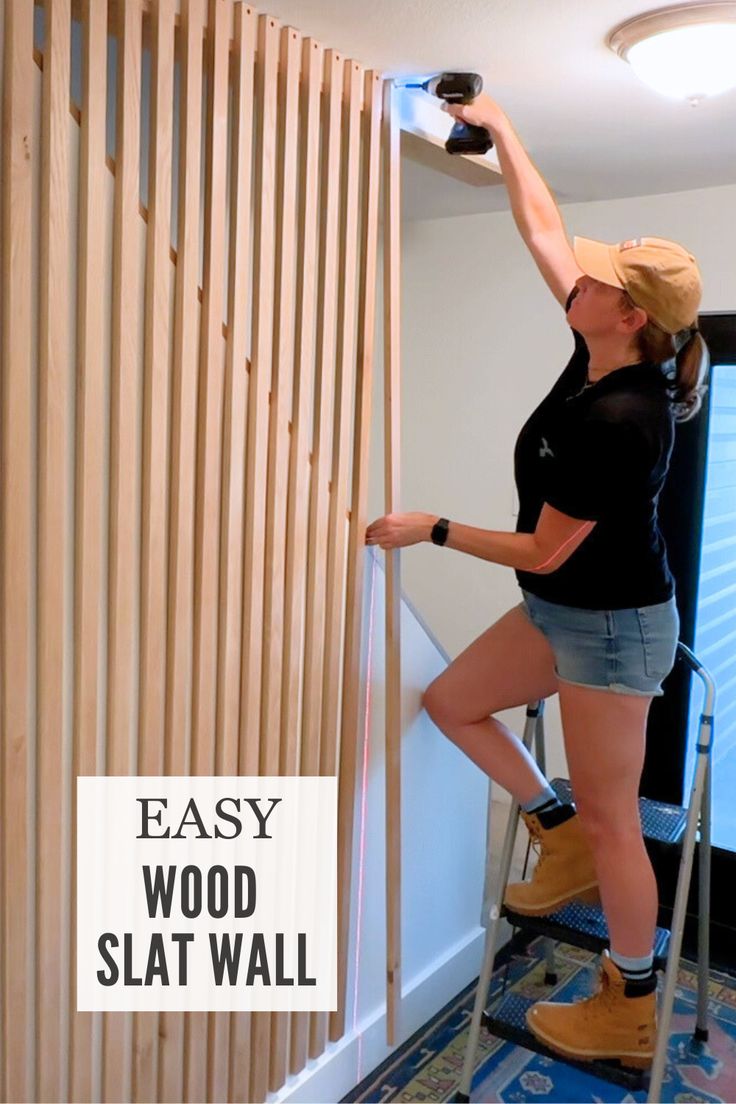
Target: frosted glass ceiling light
x,y
687,52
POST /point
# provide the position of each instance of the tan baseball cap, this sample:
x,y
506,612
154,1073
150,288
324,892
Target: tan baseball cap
x,y
659,275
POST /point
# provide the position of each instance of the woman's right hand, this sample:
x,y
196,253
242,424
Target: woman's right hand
x,y
482,112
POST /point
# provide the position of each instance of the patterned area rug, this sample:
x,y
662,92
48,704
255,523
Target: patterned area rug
x,y
428,1066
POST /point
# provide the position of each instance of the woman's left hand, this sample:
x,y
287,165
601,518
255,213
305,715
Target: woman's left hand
x,y
400,530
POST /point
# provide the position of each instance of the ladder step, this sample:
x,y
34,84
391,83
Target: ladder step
x,y
582,926
509,1023
659,821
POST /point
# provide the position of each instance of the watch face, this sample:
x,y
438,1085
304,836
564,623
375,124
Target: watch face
x,y
439,531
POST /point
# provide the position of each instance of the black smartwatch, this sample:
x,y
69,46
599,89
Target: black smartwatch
x,y
439,531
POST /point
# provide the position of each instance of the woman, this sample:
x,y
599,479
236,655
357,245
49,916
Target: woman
x,y
598,623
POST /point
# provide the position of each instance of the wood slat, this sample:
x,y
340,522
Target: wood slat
x,y
206,1034
17,541
322,446
178,719
55,392
251,746
344,382
124,548
354,690
91,462
154,502
392,484
274,735
299,461
233,488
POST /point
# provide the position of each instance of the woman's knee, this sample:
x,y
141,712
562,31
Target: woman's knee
x,y
443,706
610,827
435,701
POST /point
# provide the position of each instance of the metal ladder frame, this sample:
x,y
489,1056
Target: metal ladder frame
x,y
698,816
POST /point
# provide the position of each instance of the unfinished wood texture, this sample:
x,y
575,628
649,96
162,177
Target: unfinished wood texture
x,y
124,549
299,460
252,749
178,726
17,536
467,168
342,427
216,1059
392,483
322,445
274,735
354,685
233,487
90,465
154,500
55,388
178,720
200,559
207,1034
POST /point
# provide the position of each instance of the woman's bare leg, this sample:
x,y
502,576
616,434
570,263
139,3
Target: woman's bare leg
x,y
510,664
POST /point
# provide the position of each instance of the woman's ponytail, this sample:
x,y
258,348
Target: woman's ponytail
x,y
686,361
689,385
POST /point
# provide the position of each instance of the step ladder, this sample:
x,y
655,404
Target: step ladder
x,y
585,926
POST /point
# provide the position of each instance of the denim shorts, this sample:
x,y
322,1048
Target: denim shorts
x,y
627,651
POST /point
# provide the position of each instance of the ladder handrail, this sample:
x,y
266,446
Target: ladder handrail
x,y
699,811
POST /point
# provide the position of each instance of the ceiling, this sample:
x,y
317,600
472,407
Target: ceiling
x,y
592,128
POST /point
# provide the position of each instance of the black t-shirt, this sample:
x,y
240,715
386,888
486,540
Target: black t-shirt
x,y
600,453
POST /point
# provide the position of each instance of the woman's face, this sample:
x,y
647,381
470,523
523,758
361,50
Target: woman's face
x,y
598,309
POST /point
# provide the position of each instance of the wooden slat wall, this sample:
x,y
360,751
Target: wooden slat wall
x,y
183,474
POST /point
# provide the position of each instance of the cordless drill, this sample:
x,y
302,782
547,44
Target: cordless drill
x,y
459,88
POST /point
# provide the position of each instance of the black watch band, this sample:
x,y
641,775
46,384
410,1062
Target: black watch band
x,y
439,531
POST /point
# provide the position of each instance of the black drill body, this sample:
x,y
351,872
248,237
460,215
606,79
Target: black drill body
x,y
459,88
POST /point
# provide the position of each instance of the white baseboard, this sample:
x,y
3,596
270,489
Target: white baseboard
x,y
344,1064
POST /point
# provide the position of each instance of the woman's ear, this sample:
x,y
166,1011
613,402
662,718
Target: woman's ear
x,y
635,319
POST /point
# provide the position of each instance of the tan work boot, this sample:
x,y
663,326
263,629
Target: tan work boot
x,y
565,870
609,1024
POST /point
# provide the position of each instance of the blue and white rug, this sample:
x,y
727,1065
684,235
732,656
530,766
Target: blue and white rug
x,y
428,1066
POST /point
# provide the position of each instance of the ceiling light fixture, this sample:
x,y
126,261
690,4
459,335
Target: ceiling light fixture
x,y
686,52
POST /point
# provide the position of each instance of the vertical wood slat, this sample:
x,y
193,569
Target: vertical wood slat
x,y
252,751
208,482
266,76
353,703
392,446
154,503
231,564
321,452
183,454
344,379
277,597
124,492
55,388
208,1079
299,460
18,557
235,421
91,418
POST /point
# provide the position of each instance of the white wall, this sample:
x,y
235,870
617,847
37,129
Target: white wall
x,y
482,342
